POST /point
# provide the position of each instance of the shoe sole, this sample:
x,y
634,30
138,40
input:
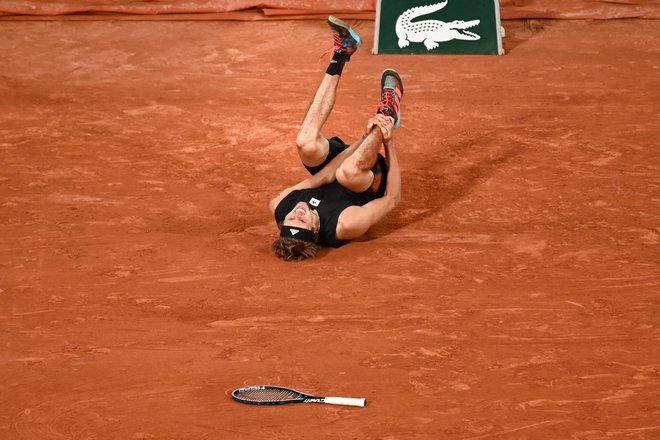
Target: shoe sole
x,y
395,74
337,22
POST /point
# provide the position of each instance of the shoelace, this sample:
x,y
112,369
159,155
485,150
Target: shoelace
x,y
336,40
329,50
387,102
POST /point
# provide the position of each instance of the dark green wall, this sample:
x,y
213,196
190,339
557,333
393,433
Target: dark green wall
x,y
465,10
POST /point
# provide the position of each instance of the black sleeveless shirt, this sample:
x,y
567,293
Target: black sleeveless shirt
x,y
329,201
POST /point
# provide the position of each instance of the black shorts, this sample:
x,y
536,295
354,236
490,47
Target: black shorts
x,y
379,169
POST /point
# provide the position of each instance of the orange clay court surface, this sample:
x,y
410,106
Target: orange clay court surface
x,y
513,294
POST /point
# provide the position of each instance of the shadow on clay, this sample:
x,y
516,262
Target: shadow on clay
x,y
429,189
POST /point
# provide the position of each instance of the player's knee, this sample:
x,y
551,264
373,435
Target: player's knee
x,y
311,148
348,172
305,142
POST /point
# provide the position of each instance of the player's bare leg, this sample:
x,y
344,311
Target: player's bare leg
x,y
355,173
312,146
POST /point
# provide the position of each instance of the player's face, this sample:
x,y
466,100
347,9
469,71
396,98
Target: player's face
x,y
302,216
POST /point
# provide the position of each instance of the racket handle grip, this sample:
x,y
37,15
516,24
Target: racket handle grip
x,y
345,401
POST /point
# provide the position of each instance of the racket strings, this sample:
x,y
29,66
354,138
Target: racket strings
x,y
268,395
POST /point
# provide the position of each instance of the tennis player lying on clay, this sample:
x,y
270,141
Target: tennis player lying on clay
x,y
352,187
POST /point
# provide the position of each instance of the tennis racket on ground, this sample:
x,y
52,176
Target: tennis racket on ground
x,y
272,395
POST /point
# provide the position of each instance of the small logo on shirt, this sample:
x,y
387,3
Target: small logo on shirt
x,y
314,202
